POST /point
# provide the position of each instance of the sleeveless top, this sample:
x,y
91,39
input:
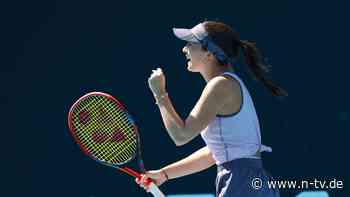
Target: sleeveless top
x,y
237,135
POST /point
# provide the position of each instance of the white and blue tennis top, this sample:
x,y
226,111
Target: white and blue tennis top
x,y
235,136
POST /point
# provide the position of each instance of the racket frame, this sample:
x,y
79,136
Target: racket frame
x,y
152,186
86,152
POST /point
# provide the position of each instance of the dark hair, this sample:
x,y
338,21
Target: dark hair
x,y
229,41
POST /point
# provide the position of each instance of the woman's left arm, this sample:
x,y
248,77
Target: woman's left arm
x,y
210,102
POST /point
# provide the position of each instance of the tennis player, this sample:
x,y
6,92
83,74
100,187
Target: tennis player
x,y
224,115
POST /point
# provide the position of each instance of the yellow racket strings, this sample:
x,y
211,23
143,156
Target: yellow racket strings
x,y
104,117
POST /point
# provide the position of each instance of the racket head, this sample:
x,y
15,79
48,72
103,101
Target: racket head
x,y
103,129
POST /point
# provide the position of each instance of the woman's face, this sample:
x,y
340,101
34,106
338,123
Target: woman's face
x,y
195,56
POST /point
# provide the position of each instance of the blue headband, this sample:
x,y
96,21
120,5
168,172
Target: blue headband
x,y
199,34
216,51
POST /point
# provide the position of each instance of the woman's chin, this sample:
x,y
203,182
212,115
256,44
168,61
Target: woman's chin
x,y
190,67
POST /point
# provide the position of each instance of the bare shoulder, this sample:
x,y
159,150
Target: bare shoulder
x,y
221,84
227,91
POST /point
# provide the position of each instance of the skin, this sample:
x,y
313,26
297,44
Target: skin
x,y
221,95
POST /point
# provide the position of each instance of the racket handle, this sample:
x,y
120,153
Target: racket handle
x,y
153,188
155,191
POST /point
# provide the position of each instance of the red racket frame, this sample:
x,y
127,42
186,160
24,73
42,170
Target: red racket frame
x,y
126,170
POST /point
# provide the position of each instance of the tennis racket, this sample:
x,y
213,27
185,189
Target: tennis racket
x,y
106,132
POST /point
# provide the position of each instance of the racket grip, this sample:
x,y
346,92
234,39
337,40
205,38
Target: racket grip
x,y
155,191
153,188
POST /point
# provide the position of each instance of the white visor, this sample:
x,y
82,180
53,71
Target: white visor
x,y
196,34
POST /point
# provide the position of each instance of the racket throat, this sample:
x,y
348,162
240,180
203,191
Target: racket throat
x,y
130,172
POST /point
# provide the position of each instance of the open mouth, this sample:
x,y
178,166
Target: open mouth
x,y
188,58
189,63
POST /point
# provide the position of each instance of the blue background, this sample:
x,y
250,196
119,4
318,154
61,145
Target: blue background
x,y
55,51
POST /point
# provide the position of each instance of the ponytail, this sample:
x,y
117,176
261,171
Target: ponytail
x,y
257,67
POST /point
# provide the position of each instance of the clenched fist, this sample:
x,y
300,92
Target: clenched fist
x,y
156,82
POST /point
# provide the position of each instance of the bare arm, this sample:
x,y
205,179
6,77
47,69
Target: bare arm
x,y
200,160
209,104
196,162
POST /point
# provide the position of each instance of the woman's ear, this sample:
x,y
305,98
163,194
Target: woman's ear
x,y
210,56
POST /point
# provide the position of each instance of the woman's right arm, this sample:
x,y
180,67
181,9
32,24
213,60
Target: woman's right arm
x,y
196,162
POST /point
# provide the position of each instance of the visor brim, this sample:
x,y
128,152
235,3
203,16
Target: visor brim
x,y
184,34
